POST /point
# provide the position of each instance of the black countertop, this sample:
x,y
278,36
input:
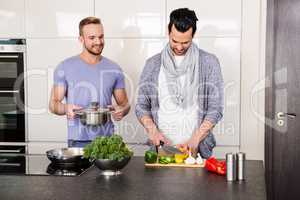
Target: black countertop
x,y
138,182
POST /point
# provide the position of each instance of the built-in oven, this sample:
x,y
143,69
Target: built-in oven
x,y
12,115
12,160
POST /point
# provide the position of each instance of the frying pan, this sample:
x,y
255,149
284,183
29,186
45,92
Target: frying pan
x,y
67,156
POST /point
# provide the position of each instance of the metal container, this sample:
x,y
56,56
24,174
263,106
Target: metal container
x,y
94,115
231,167
241,165
111,167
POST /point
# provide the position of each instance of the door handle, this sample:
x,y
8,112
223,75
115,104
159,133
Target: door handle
x,y
281,115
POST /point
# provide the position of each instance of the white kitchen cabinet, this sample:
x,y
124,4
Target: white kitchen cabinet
x,y
227,49
41,124
12,15
132,18
56,18
47,53
216,18
42,147
36,164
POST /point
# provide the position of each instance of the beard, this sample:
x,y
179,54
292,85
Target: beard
x,y
93,51
179,53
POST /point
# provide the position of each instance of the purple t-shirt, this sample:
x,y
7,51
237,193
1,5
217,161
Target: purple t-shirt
x,y
84,84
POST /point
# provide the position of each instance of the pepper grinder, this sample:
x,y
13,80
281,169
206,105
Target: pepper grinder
x,y
241,165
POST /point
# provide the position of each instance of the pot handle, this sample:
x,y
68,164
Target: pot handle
x,y
78,111
111,108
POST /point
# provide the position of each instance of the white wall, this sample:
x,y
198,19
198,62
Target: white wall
x,y
232,29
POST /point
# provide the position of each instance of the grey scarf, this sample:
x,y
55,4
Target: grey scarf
x,y
182,95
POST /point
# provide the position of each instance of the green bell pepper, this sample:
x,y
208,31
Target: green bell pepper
x,y
150,156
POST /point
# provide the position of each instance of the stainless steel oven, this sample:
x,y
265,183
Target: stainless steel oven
x,y
12,115
12,160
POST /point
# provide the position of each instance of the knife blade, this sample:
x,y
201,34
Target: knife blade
x,y
163,149
172,149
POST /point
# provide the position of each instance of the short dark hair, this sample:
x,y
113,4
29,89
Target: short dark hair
x,y
183,19
86,21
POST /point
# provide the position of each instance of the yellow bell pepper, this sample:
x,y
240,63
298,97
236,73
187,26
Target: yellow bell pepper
x,y
179,158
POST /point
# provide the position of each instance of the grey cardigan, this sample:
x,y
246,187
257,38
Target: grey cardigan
x,y
210,92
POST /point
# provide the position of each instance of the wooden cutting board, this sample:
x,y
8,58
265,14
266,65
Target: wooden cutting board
x,y
174,165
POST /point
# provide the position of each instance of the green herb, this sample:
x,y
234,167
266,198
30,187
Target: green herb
x,y
111,147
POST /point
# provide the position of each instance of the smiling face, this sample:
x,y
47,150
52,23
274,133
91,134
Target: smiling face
x,y
180,42
92,38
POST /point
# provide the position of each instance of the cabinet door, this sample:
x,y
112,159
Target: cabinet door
x,y
227,50
42,147
56,18
215,18
12,17
43,125
144,19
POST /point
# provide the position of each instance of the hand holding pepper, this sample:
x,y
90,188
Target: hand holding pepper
x,y
215,166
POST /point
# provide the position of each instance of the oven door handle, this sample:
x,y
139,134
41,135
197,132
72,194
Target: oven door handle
x,y
9,91
10,164
9,56
10,151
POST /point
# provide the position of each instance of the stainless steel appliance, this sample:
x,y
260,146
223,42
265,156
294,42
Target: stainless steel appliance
x,y
12,115
26,164
12,160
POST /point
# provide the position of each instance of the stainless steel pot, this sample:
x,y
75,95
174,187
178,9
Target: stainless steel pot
x,y
94,115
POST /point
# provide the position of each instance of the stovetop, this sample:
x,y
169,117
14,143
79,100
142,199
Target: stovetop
x,y
38,165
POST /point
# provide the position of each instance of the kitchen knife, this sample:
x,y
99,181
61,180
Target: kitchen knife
x,y
167,150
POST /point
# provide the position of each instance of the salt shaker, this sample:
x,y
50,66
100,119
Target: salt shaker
x,y
231,167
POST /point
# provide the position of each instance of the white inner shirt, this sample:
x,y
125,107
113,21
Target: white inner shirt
x,y
176,123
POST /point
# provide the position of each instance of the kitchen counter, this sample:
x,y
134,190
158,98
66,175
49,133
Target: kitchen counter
x,y
137,182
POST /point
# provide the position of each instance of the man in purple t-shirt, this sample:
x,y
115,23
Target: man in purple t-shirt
x,y
85,78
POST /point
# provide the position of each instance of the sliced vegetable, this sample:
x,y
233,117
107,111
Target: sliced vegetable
x,y
150,156
166,159
215,166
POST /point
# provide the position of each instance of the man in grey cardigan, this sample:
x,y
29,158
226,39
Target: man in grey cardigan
x,y
180,94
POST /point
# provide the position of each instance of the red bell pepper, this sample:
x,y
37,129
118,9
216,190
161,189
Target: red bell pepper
x,y
215,166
